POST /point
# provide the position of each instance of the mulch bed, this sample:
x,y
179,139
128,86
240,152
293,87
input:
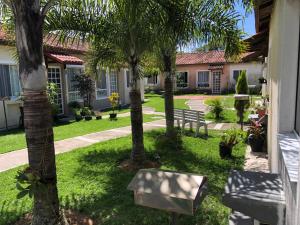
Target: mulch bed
x,y
73,218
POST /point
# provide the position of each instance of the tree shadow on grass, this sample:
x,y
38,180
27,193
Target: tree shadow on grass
x,y
111,203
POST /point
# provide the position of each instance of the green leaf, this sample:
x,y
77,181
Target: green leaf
x,y
22,194
19,186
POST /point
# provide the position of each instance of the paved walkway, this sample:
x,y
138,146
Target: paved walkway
x,y
17,158
256,161
197,105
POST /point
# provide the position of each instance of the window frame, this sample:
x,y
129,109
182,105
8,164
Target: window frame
x,y
100,97
67,84
10,80
239,74
297,107
198,82
187,83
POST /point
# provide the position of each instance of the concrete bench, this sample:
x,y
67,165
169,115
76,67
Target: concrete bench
x,y
257,195
237,218
191,116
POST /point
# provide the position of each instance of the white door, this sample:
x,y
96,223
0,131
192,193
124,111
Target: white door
x,y
216,75
54,76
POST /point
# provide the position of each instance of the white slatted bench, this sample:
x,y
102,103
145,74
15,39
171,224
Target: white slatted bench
x,y
191,116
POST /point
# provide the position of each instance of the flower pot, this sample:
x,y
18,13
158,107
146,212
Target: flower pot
x,y
98,117
224,151
87,118
78,118
255,143
261,112
113,115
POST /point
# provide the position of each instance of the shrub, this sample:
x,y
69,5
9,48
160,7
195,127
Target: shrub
x,y
85,111
85,86
114,100
74,105
242,84
232,137
216,108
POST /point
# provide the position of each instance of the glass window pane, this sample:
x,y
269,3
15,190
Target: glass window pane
x,y
5,87
297,123
14,80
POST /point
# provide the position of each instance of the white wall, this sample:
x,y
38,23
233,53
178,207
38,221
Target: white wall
x,y
282,79
254,71
12,109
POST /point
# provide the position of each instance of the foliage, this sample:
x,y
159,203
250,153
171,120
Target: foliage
x,y
74,105
52,92
28,181
242,84
105,197
258,132
232,137
216,108
114,100
85,111
85,85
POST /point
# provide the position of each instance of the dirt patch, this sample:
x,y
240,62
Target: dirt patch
x,y
130,166
73,218
196,97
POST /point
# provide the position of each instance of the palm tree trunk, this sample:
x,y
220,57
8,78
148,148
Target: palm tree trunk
x,y
37,111
136,114
169,96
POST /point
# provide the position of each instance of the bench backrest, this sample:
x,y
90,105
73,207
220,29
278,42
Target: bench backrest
x,y
189,115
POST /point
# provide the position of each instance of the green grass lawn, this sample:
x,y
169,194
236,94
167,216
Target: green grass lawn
x,y
90,181
229,114
158,103
15,140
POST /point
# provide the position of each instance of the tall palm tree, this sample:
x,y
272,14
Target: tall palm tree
x,y
186,21
28,19
124,30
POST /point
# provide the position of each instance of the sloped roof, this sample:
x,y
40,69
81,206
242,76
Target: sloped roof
x,y
65,59
209,57
51,43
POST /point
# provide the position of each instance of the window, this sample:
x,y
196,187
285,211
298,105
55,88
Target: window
x,y
236,74
9,81
54,77
203,79
101,84
73,93
127,78
182,79
152,80
113,81
297,119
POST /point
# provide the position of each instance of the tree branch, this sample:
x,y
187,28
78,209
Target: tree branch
x,y
47,6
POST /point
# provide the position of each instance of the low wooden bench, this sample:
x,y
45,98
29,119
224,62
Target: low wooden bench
x,y
191,116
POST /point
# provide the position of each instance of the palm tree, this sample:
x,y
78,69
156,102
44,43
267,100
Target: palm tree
x,y
28,19
199,21
123,31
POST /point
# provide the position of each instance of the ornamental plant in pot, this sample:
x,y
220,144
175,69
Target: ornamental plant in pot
x,y
114,101
229,139
78,116
87,113
256,138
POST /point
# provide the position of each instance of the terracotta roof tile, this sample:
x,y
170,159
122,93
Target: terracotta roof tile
x,y
65,59
210,57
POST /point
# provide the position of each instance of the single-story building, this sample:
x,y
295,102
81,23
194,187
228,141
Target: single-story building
x,y
63,62
210,71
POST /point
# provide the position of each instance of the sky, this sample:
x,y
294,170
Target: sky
x,y
247,24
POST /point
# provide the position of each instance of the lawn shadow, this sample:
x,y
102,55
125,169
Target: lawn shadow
x,y
112,203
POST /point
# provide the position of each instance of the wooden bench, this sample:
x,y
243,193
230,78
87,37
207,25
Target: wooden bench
x,y
191,116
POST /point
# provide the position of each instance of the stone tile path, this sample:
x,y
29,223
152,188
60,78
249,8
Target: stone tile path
x,y
256,161
16,158
197,105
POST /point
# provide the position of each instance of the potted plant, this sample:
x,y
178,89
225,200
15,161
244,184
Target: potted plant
x,y
78,116
229,139
256,138
260,110
114,101
98,115
86,112
216,108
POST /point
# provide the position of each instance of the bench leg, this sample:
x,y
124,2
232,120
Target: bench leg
x,y
197,130
183,127
191,126
178,123
206,129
